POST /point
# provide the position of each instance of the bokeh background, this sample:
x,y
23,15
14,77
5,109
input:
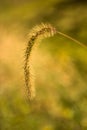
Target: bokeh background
x,y
59,66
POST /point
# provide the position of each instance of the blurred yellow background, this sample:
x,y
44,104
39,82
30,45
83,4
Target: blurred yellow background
x,y
59,66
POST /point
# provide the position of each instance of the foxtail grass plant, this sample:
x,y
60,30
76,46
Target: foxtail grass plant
x,y
35,36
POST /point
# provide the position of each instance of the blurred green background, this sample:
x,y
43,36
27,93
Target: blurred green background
x,y
59,66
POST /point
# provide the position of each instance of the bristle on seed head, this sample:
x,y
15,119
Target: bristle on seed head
x,y
37,33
